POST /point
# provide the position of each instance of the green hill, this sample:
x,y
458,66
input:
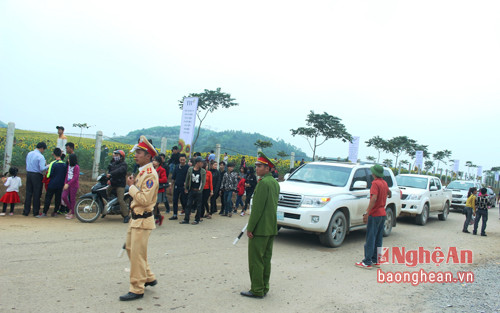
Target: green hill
x,y
3,125
231,141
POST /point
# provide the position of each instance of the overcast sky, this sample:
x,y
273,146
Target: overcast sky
x,y
429,70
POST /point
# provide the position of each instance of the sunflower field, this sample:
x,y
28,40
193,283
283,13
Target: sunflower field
x,y
26,141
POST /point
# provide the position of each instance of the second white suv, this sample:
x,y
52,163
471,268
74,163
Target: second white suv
x,y
459,189
329,199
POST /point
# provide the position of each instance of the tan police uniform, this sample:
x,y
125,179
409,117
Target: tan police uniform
x,y
144,193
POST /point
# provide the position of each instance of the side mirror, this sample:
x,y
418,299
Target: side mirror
x,y
434,188
360,185
286,176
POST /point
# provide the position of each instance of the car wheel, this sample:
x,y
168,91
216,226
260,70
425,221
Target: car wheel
x,y
336,231
443,216
422,217
389,216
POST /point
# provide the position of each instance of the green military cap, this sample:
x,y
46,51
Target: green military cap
x,y
263,159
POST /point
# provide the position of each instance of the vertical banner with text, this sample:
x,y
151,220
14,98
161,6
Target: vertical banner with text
x,y
479,171
456,166
189,109
353,149
419,159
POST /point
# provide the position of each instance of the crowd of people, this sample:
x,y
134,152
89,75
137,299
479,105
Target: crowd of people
x,y
59,178
196,183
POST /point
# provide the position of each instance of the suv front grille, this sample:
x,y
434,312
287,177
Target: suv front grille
x,y
457,196
289,200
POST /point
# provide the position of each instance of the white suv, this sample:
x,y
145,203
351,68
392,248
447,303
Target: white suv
x,y
459,189
329,199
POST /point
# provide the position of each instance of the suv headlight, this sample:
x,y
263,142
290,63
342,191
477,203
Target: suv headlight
x,y
315,202
414,197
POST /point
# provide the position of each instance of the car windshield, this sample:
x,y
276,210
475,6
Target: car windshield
x,y
322,174
460,185
411,181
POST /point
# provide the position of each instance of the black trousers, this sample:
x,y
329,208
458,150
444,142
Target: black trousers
x,y
167,206
248,198
213,202
33,192
48,199
481,214
205,208
194,198
222,204
179,194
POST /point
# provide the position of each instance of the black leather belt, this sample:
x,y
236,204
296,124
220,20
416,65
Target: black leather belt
x,y
144,215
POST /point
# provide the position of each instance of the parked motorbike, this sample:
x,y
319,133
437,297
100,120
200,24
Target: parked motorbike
x,y
95,203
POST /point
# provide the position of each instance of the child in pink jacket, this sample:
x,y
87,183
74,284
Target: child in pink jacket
x,y
71,185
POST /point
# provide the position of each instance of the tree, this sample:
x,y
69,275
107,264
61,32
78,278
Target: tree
x,y
81,126
208,102
412,151
387,162
403,162
370,158
263,144
489,175
378,143
322,125
282,154
440,156
428,165
469,164
400,144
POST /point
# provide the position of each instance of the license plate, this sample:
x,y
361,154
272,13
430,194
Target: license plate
x,y
280,215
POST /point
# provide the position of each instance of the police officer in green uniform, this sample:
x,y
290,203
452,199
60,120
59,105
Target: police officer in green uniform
x,y
262,228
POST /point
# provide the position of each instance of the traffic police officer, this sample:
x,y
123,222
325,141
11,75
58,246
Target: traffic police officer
x,y
262,228
144,191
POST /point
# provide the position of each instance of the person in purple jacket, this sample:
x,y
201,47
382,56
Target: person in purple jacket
x,y
71,185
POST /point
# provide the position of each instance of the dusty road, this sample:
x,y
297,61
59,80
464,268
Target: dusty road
x,y
56,265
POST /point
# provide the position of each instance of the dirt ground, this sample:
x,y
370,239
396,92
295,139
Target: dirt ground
x,y
59,265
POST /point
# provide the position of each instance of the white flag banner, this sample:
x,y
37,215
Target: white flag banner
x,y
353,149
419,159
456,166
497,176
479,171
189,109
